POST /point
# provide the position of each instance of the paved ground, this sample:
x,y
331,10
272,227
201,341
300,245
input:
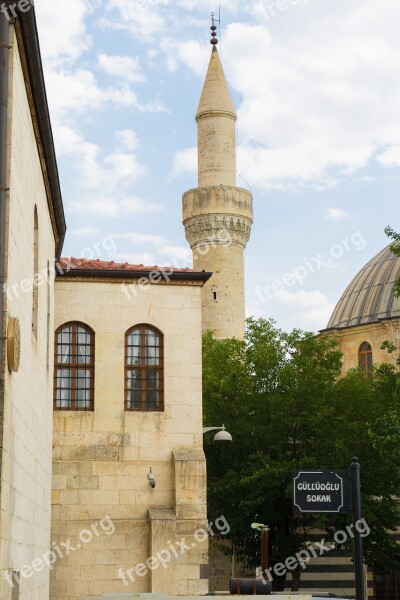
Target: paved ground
x,y
132,596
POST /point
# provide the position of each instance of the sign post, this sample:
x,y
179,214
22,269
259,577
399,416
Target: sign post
x,y
328,492
358,545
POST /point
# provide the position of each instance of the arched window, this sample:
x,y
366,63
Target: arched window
x,y
365,358
74,367
35,287
144,376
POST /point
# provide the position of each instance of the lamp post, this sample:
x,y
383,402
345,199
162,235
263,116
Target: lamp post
x,y
259,585
222,436
264,546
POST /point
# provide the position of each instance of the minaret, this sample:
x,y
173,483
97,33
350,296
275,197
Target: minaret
x,y
217,215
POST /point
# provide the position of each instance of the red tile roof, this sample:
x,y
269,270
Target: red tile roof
x,y
72,264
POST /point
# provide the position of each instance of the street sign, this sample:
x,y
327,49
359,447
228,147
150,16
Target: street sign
x,y
321,492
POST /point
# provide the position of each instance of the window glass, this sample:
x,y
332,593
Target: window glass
x,y
365,358
74,368
144,369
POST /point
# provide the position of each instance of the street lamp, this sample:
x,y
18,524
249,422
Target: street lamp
x,y
222,436
264,546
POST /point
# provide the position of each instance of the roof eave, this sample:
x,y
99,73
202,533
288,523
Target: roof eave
x,y
200,276
30,40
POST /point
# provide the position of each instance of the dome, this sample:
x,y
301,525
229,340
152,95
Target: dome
x,y
370,296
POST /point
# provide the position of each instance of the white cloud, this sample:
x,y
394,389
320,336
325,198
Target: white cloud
x,y
141,238
141,19
110,173
185,162
192,54
74,93
135,258
82,93
63,34
124,67
151,249
84,231
122,167
127,138
312,116
390,157
315,318
336,214
312,309
116,207
133,206
309,113
302,298
179,256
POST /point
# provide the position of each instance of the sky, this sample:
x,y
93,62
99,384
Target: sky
x,y
316,86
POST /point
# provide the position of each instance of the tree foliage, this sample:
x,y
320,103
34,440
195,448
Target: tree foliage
x,y
395,248
283,399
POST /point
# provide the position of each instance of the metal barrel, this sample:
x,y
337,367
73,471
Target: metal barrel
x,y
256,587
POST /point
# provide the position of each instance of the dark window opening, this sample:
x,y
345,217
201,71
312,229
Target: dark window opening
x,y
365,358
74,367
144,369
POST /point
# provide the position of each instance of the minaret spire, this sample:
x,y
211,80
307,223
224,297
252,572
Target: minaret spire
x,y
217,215
216,126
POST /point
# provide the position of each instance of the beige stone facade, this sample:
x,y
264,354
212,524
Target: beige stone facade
x,y
102,458
217,215
26,413
350,341
217,222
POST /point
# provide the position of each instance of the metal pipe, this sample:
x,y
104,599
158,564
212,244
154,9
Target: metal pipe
x,y
4,60
264,551
358,545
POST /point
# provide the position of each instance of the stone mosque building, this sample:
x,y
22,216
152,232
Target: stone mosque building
x,y
102,469
368,313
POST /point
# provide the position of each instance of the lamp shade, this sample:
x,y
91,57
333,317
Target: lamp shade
x,y
222,436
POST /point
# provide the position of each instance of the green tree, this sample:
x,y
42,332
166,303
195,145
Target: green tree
x,y
281,396
395,248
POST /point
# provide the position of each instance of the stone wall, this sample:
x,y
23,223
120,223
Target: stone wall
x,y
375,334
217,222
26,451
102,458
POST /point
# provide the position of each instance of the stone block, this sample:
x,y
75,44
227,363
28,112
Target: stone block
x,y
82,482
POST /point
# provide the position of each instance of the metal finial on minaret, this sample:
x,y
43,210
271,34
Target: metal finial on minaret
x,y
214,40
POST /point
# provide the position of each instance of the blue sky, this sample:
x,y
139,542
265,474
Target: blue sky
x,y
316,85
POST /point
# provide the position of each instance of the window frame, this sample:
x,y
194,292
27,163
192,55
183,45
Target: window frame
x,y
74,366
368,354
143,369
